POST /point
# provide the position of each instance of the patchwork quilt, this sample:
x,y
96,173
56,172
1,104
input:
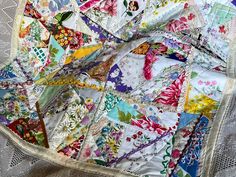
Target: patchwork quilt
x,y
130,86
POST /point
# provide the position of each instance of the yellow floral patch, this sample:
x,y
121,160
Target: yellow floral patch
x,y
201,104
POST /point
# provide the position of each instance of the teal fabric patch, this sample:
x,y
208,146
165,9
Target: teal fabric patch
x,y
55,49
122,110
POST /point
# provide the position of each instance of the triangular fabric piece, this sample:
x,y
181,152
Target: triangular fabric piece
x,y
27,21
82,27
186,119
30,11
4,74
30,130
170,96
82,52
55,49
103,34
78,26
100,72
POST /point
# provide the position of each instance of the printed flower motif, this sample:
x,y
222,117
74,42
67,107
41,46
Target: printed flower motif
x,y
171,164
134,136
162,49
109,6
68,151
176,25
170,96
149,60
144,24
64,36
88,101
85,120
24,32
185,47
175,154
200,82
31,12
147,124
213,82
27,129
174,75
201,104
208,83
183,19
116,135
140,133
22,97
133,5
113,145
191,16
222,29
128,139
78,40
87,151
115,73
98,153
186,5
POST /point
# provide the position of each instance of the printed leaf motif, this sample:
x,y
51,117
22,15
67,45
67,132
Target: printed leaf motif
x,y
125,3
129,116
139,116
123,117
180,173
194,74
53,51
39,137
60,17
20,129
129,14
66,15
100,162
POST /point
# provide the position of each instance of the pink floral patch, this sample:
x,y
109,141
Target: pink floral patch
x,y
149,60
86,6
170,96
108,6
177,25
147,124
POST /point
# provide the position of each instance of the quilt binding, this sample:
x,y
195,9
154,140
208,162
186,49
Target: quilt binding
x,y
209,144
